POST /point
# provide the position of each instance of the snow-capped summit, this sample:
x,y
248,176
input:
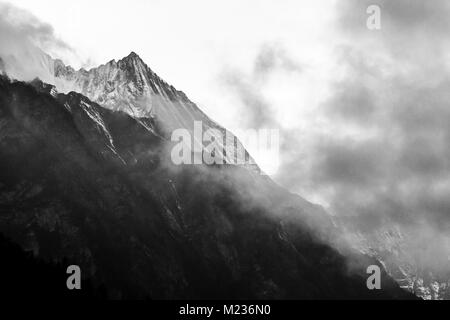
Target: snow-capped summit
x,y
126,85
129,85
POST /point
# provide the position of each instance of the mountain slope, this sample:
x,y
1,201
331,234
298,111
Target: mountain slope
x,y
96,186
129,85
401,251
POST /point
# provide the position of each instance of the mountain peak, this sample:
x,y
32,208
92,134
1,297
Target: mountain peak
x,y
127,85
133,56
134,63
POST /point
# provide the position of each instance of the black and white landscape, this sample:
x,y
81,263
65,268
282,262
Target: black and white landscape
x,y
356,208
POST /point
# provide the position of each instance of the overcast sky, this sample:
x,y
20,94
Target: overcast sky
x,y
364,114
190,43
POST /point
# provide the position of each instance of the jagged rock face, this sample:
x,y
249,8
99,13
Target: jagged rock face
x,y
126,85
129,85
392,245
94,186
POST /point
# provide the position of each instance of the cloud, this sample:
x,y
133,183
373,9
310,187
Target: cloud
x,y
375,149
22,24
271,57
257,111
401,16
410,31
25,42
384,157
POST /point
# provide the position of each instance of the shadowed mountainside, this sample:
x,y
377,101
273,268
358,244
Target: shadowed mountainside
x,y
96,187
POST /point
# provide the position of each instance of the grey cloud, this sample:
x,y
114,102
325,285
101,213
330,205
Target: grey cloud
x,y
353,99
405,16
399,174
409,151
258,113
24,38
21,26
407,154
352,103
413,31
272,57
349,164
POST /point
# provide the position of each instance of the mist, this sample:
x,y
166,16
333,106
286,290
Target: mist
x,y
374,150
366,136
28,46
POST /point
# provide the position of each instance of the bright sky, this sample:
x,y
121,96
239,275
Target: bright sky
x,y
190,43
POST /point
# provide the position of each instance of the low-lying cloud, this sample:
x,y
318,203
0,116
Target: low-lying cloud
x,y
377,148
24,38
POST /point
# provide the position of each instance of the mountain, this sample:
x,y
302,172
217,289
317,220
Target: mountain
x,y
129,85
403,255
86,177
